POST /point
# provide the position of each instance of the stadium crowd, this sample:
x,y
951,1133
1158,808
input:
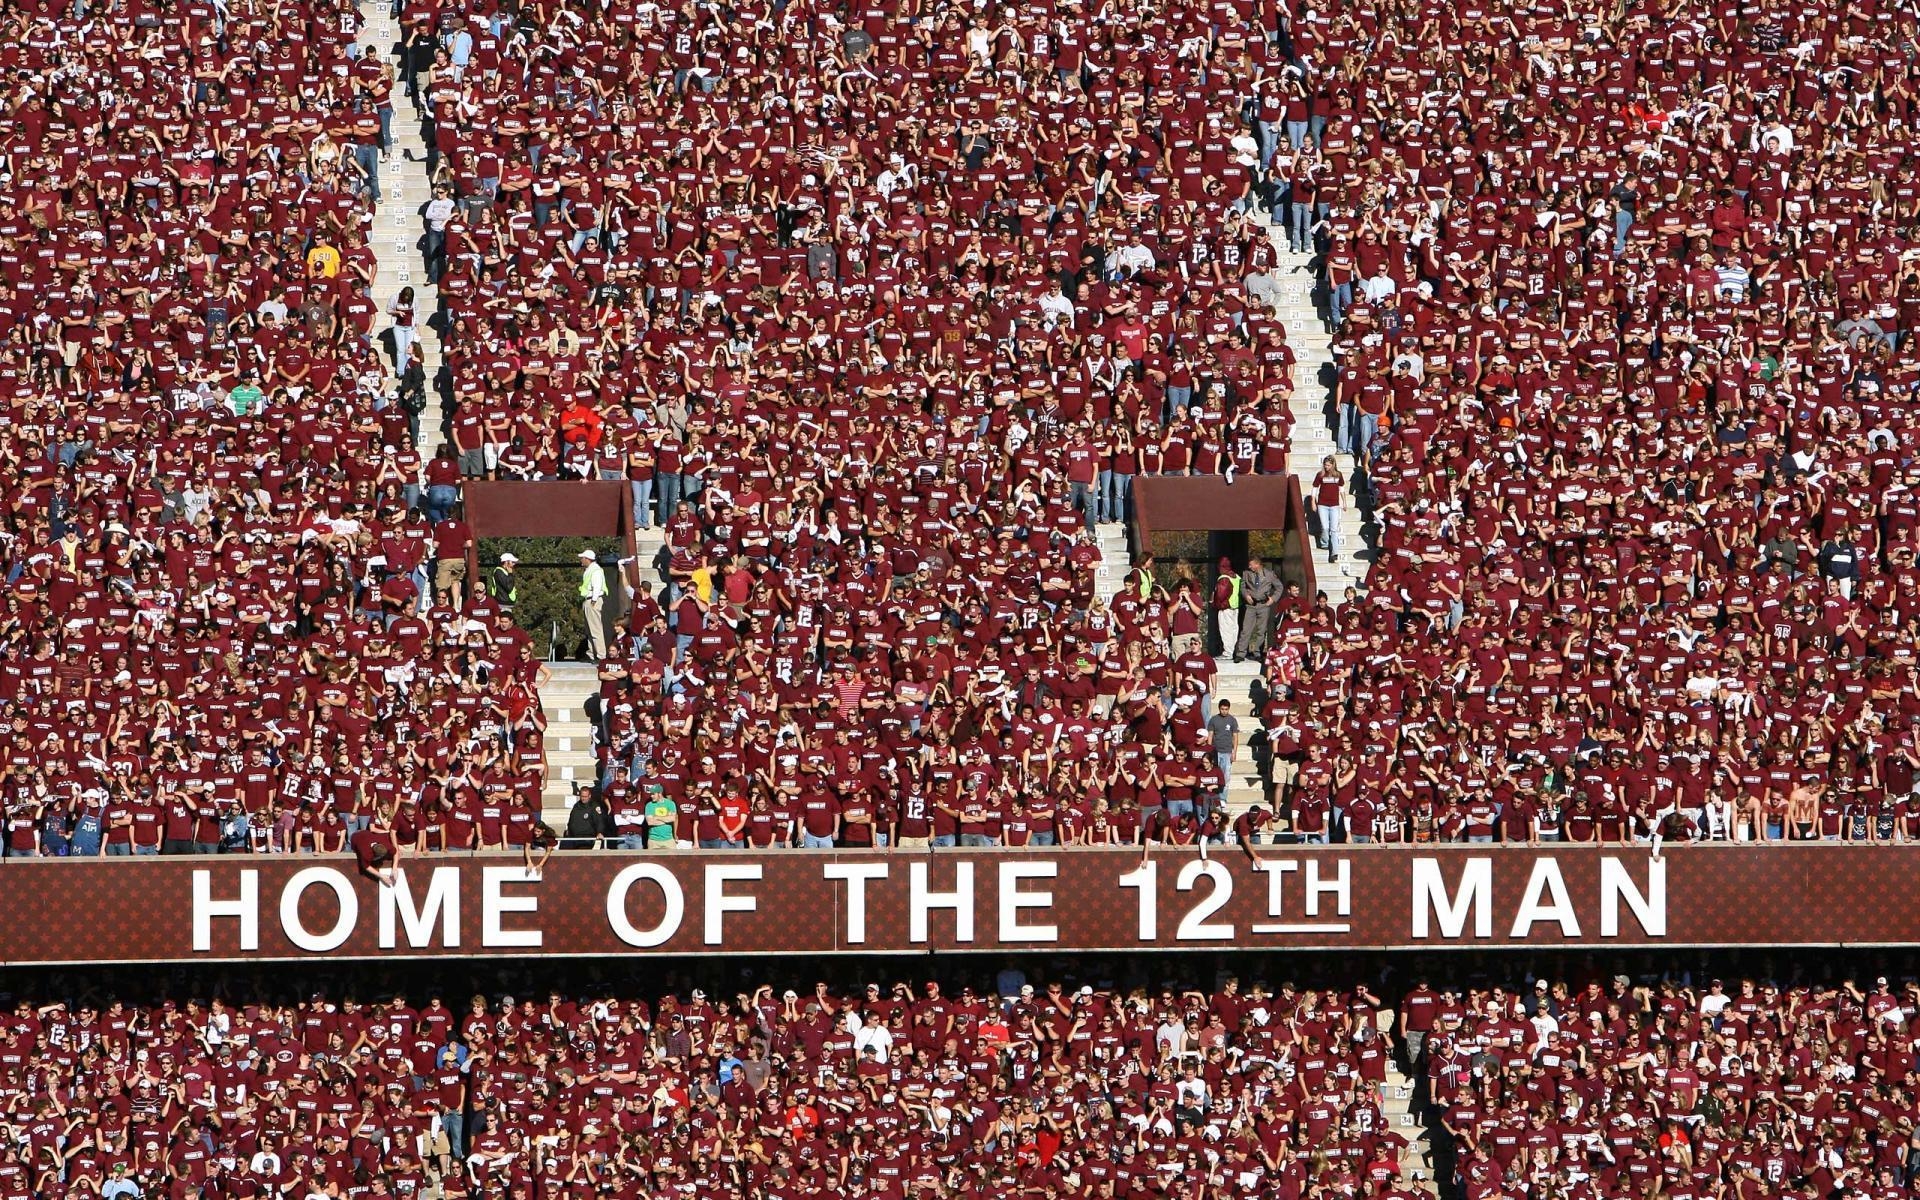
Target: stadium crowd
x,y
1530,1088
1626,362
208,537
878,318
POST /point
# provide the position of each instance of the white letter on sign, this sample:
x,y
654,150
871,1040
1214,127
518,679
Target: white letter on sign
x,y
674,903
1546,877
297,886
1430,898
719,903
1617,885
1012,900
921,901
494,902
1145,880
856,875
1194,927
1340,887
246,910
442,904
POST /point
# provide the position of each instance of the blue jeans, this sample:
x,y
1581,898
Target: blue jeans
x,y
1343,426
1179,808
810,841
1622,222
1329,515
1340,299
1366,428
642,503
1296,134
668,493
1119,494
456,1126
369,159
1179,399
1081,499
975,840
441,497
944,839
1300,228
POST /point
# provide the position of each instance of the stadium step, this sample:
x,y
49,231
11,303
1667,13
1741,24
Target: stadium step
x,y
569,736
397,224
1396,1103
1289,290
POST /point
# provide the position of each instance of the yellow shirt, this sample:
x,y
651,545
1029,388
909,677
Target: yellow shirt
x,y
323,261
703,584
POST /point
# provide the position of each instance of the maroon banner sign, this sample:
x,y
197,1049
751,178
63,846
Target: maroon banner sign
x,y
800,902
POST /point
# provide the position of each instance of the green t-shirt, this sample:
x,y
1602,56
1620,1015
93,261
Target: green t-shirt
x,y
242,399
663,810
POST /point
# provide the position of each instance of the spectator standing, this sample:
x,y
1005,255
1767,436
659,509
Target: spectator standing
x,y
451,539
402,332
662,818
504,586
593,595
1840,562
1226,606
413,391
1327,485
435,214
1224,730
1259,592
589,821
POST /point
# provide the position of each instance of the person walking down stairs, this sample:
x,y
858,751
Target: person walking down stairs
x,y
1327,487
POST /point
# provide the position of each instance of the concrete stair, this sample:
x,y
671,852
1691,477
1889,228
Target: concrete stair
x,y
1115,558
570,748
1231,682
1396,1104
569,737
397,223
1288,293
647,543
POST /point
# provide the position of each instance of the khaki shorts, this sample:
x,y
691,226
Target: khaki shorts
x,y
907,843
449,571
